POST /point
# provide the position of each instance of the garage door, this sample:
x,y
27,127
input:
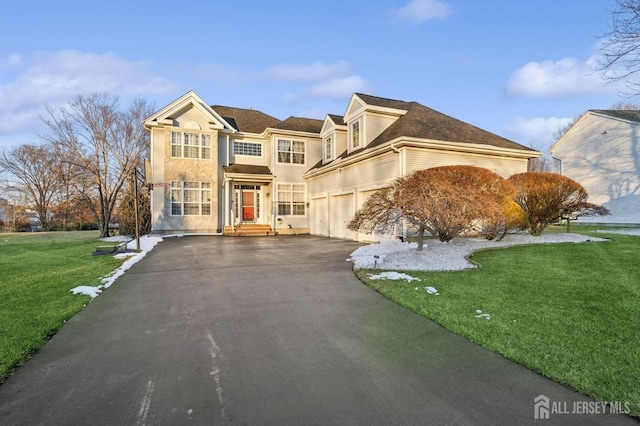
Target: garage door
x,y
342,212
320,216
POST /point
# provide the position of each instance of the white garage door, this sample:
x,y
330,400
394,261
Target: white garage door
x,y
342,212
320,216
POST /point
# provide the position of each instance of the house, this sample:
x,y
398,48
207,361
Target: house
x,y
601,151
220,169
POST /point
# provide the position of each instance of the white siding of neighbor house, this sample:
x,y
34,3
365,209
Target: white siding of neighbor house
x,y
603,155
426,159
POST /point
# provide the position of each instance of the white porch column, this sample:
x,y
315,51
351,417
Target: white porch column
x,y
227,203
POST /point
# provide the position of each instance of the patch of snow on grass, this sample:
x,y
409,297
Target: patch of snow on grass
x,y
432,290
147,243
481,315
87,290
393,276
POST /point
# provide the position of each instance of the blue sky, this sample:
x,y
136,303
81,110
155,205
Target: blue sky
x,y
518,69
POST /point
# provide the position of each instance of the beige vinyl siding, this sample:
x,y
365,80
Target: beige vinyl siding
x,y
376,124
423,159
249,159
191,116
370,172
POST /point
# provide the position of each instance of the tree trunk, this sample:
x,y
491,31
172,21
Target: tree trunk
x,y
420,238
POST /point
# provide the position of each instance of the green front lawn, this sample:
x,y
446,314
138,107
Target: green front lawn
x,y
38,272
568,311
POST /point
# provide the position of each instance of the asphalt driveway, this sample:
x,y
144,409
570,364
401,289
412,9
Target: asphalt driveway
x,y
267,330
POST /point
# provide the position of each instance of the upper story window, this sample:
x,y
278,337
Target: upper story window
x,y
253,149
355,135
328,148
190,145
291,152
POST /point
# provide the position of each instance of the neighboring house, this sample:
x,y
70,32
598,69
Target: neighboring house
x,y
223,169
601,151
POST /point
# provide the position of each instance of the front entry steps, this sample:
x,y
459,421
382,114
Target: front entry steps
x,y
248,230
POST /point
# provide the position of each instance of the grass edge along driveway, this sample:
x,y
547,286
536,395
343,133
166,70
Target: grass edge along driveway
x,y
567,311
39,270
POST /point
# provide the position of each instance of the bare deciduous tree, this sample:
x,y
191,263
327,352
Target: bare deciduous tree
x,y
103,141
621,46
35,169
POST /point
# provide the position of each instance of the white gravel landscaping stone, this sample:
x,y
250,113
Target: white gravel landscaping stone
x,y
451,256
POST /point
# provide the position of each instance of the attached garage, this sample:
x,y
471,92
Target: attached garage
x,y
320,216
342,211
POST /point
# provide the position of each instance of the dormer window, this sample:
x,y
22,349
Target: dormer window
x,y
328,148
355,135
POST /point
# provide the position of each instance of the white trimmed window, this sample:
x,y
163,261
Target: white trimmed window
x,y
190,198
291,151
252,149
190,145
355,135
291,199
328,148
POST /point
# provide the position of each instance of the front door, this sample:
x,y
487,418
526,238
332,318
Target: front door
x,y
248,206
248,203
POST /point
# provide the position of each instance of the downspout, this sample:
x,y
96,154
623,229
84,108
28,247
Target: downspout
x,y
401,170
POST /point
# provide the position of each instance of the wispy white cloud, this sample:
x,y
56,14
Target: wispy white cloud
x,y
338,88
538,133
11,61
564,78
315,71
52,78
319,80
419,11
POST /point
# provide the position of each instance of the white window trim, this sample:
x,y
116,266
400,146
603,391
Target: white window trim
x,y
258,143
327,154
200,145
291,203
178,185
291,163
352,135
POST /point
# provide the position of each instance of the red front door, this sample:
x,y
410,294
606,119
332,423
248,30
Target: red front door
x,y
248,206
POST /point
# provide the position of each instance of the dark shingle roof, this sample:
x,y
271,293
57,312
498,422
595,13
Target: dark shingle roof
x,y
300,124
247,169
384,102
246,120
338,119
627,114
425,123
